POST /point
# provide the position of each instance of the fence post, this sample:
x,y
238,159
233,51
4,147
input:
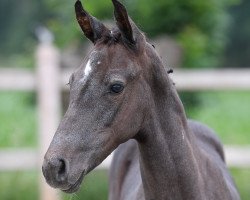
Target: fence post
x,y
49,105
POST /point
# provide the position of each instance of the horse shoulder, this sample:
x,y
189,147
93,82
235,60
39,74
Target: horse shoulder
x,y
207,139
214,167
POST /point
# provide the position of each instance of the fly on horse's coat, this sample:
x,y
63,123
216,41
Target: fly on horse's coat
x,y
122,98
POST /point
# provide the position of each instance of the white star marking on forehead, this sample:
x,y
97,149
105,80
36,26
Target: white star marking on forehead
x,y
87,69
92,62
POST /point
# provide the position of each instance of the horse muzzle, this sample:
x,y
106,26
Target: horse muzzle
x,y
56,173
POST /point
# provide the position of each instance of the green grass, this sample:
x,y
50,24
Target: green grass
x,y
228,113
241,178
94,187
18,185
24,185
18,120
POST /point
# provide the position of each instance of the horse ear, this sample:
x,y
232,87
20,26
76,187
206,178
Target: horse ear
x,y
91,27
123,22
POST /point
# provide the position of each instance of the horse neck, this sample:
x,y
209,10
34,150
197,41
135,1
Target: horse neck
x,y
168,167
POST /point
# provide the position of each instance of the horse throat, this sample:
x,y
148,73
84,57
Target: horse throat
x,y
168,165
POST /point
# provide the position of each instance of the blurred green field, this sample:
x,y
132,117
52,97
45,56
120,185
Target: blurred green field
x,y
225,112
24,185
18,120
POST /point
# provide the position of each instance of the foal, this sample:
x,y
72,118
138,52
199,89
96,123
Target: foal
x,y
122,98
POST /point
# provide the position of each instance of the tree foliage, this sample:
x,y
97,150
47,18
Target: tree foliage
x,y
198,25
17,22
238,47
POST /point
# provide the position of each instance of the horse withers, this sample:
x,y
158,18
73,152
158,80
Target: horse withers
x,y
122,98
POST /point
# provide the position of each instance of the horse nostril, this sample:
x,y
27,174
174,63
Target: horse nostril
x,y
61,171
55,171
62,167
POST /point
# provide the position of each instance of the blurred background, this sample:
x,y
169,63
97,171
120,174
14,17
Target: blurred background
x,y
194,37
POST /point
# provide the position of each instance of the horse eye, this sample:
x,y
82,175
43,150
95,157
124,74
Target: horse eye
x,y
116,88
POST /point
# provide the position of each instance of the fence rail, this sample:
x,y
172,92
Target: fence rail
x,y
28,159
185,80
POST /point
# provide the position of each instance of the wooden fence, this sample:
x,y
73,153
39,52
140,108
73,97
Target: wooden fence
x,y
48,81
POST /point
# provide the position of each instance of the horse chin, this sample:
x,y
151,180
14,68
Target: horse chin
x,y
72,188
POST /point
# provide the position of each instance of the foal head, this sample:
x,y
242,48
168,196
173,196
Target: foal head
x,y
109,99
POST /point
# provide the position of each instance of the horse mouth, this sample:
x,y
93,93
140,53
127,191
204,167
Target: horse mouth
x,y
75,187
